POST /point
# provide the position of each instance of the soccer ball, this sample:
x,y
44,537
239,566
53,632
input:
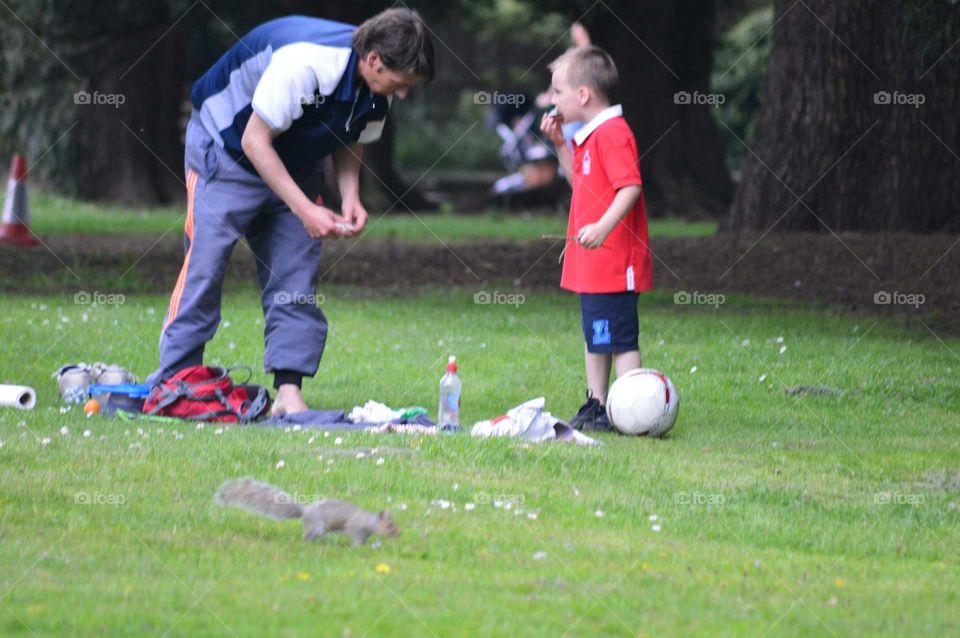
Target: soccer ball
x,y
643,401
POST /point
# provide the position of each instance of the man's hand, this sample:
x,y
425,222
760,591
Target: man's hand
x,y
592,235
320,221
355,214
550,126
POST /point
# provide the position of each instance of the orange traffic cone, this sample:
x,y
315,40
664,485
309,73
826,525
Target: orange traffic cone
x,y
14,228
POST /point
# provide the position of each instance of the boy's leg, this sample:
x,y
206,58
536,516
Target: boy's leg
x,y
598,373
221,200
295,334
610,330
626,361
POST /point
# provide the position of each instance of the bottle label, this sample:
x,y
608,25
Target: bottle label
x,y
453,405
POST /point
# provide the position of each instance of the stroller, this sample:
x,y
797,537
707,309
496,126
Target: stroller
x,y
534,170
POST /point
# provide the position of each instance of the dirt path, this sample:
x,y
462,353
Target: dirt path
x,y
847,271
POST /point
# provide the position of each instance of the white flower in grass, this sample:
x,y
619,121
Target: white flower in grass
x,y
599,514
468,506
783,349
337,441
762,378
87,433
218,431
539,555
45,440
380,461
64,430
532,516
402,506
200,426
653,517
280,463
64,409
693,370
361,455
655,527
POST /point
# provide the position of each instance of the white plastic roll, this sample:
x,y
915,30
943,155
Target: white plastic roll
x,y
18,396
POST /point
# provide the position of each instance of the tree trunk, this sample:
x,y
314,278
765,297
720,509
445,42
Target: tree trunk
x,y
858,126
662,48
132,152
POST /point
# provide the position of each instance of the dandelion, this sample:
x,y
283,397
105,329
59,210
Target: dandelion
x,y
383,569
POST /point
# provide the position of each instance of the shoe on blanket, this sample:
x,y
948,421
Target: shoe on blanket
x,y
591,417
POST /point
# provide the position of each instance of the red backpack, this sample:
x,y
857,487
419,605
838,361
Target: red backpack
x,y
207,394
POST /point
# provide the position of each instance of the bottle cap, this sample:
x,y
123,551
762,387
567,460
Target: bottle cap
x,y
452,364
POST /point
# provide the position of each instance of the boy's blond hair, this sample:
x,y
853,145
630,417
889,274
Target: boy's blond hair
x,y
588,66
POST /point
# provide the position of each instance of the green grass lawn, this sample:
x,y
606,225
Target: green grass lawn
x,y
777,514
55,215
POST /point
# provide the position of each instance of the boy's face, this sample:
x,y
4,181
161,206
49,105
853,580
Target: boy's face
x,y
568,99
384,81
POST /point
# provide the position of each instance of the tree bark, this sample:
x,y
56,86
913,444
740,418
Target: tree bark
x,y
858,126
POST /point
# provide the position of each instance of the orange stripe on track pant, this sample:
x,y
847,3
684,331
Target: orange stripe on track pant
x,y
188,231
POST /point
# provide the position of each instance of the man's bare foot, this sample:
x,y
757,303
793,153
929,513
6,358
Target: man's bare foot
x,y
289,401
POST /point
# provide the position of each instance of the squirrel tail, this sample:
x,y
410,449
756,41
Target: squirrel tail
x,y
258,497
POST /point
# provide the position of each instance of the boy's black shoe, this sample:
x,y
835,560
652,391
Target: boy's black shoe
x,y
591,417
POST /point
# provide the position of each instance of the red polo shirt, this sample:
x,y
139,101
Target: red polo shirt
x,y
605,160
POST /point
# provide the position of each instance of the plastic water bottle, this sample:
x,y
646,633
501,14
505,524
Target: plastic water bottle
x,y
448,417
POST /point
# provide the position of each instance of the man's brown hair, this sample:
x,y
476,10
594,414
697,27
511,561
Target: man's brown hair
x,y
401,39
589,66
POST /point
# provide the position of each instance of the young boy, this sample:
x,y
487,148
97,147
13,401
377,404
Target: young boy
x,y
607,260
290,92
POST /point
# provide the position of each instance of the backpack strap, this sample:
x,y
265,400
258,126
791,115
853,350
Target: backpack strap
x,y
257,405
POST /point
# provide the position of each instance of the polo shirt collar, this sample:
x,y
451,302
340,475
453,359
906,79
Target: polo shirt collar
x,y
606,114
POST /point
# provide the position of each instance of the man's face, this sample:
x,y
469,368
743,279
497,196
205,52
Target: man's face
x,y
384,81
565,97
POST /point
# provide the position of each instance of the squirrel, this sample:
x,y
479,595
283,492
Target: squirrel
x,y
318,518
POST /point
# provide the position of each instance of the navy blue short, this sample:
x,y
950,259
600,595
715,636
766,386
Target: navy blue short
x,y
610,322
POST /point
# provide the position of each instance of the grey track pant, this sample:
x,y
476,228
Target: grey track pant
x,y
225,203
